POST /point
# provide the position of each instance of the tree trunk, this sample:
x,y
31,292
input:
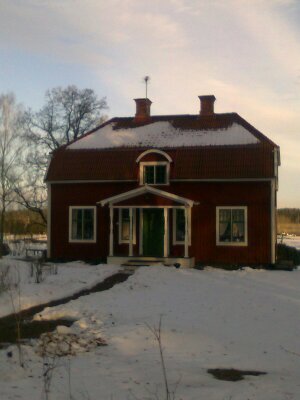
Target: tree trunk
x,y
2,221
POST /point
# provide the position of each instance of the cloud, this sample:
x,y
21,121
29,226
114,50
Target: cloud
x,y
267,25
245,52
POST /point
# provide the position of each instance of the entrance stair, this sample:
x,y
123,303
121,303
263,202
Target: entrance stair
x,y
132,265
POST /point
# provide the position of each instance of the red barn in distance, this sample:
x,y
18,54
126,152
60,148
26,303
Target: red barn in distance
x,y
173,189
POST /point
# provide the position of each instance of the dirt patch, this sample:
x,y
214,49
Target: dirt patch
x,y
231,374
29,330
33,329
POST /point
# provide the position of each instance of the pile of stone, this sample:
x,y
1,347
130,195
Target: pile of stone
x,y
64,342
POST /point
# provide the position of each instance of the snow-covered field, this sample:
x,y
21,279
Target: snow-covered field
x,y
289,240
70,278
245,319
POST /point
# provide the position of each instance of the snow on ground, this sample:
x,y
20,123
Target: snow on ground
x,y
239,319
163,134
70,278
18,244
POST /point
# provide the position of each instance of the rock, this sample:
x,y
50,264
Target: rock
x,y
61,329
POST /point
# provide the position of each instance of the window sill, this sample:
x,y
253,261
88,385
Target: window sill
x,y
81,241
181,243
233,244
155,184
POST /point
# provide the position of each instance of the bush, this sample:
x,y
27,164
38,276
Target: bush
x,y
4,278
288,253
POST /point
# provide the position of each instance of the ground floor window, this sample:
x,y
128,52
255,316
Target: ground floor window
x,y
82,226
124,225
179,225
231,226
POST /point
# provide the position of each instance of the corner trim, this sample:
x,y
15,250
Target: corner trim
x,y
49,220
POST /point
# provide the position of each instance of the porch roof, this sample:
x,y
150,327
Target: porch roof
x,y
144,190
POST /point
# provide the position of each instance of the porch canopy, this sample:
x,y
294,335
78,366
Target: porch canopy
x,y
147,197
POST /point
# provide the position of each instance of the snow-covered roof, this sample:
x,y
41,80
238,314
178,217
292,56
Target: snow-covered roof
x,y
163,134
218,146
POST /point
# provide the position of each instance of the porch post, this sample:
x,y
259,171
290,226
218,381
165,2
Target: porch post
x,y
141,232
111,231
130,233
166,231
186,237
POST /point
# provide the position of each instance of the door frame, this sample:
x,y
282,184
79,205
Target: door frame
x,y
166,227
163,221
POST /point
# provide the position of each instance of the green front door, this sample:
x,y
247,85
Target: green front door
x,y
153,232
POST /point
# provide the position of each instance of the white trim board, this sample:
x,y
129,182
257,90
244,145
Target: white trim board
x,y
137,207
92,181
49,220
162,153
171,180
224,180
273,222
146,189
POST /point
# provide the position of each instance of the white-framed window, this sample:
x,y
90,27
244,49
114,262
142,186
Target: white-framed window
x,y
82,224
179,225
124,225
154,173
232,226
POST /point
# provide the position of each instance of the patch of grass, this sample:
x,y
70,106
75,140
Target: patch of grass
x,y
231,374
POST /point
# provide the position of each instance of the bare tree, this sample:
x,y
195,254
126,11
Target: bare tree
x,y
10,145
68,113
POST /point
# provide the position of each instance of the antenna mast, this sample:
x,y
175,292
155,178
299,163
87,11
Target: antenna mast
x,y
146,80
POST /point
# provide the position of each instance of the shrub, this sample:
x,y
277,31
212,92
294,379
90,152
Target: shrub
x,y
288,253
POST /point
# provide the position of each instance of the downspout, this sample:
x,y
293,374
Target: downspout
x,y
273,223
49,220
274,189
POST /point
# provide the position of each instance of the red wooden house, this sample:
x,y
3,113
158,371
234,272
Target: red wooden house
x,y
172,188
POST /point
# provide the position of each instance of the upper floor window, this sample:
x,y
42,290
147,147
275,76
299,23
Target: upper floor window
x,y
232,226
82,226
154,174
155,170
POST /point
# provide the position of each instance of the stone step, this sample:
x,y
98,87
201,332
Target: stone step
x,y
142,262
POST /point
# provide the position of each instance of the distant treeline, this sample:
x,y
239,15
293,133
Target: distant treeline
x,y
289,215
23,222
288,220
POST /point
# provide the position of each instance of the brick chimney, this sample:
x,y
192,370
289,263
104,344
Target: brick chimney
x,y
207,104
142,110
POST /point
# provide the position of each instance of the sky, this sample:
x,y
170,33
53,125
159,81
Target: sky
x,y
245,52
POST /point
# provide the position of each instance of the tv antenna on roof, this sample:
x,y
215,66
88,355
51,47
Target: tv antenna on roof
x,y
146,80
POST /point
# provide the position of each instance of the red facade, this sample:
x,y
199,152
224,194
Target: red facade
x,y
255,195
212,183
